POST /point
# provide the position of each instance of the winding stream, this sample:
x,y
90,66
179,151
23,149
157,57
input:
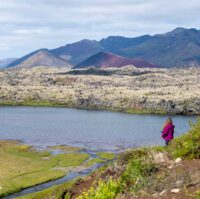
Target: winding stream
x,y
70,176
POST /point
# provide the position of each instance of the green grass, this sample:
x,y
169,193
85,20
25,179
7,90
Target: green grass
x,y
105,155
93,161
20,182
35,103
125,157
145,111
187,145
66,148
56,192
21,166
138,175
70,159
70,104
197,195
103,190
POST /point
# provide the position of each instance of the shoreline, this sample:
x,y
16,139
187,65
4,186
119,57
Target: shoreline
x,y
95,108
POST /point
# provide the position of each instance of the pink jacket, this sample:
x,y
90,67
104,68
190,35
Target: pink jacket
x,y
168,132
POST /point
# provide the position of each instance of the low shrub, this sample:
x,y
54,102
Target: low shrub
x,y
187,145
137,175
104,190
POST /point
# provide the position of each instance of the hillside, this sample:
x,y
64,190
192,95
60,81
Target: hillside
x,y
115,43
40,58
105,60
180,47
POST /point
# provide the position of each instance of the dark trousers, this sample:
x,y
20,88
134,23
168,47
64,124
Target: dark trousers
x,y
167,142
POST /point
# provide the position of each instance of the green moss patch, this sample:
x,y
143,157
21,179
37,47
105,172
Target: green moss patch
x,y
57,191
187,145
93,161
70,159
105,155
30,102
65,148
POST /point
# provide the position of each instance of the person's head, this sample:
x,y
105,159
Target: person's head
x,y
168,121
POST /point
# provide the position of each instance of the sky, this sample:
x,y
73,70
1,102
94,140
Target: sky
x,y
28,25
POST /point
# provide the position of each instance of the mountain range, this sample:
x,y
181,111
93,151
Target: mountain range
x,y
178,48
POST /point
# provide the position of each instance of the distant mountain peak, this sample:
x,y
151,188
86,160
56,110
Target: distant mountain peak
x,y
111,38
43,50
42,57
180,30
87,41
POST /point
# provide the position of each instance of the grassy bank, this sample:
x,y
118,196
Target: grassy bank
x,y
106,155
21,166
57,191
153,172
35,103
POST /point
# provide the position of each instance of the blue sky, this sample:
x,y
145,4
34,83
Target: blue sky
x,y
27,25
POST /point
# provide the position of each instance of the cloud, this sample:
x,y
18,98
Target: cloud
x,y
32,31
29,25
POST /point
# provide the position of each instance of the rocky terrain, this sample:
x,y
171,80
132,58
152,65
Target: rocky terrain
x,y
130,89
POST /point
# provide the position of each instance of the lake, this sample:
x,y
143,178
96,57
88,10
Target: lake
x,y
94,130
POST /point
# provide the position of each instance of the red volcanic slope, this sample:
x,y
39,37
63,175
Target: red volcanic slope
x,y
105,60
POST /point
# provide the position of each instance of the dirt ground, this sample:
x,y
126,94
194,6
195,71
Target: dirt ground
x,y
184,176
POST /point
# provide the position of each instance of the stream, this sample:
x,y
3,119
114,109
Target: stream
x,y
76,172
70,176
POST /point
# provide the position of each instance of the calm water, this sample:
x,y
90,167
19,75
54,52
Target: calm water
x,y
91,129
